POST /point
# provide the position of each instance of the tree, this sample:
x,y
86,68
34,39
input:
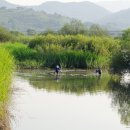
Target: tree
x,y
48,31
31,32
126,35
5,35
16,33
121,59
96,30
73,28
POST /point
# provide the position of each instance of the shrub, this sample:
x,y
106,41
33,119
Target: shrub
x,y
5,35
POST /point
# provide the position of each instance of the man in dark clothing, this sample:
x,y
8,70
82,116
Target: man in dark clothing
x,y
99,71
57,69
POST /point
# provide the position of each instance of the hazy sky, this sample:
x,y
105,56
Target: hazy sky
x,y
113,5
36,2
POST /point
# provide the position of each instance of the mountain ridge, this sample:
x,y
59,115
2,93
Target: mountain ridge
x,y
79,10
84,11
4,3
22,19
119,20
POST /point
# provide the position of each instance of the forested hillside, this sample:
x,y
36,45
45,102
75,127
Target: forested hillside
x,y
21,19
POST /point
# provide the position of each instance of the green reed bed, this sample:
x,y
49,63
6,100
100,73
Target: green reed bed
x,y
75,51
69,51
49,56
24,56
6,70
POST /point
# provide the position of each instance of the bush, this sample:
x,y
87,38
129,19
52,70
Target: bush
x,y
121,59
20,51
5,35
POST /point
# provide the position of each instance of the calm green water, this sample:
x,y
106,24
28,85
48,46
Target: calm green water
x,y
71,101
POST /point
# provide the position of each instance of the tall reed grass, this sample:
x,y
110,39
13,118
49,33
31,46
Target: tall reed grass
x,y
69,51
75,51
6,71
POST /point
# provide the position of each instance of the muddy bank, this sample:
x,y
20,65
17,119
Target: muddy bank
x,y
5,121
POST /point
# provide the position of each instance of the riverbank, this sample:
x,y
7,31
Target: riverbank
x,y
6,71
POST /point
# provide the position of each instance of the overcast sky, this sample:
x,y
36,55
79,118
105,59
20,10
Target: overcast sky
x,y
36,2
113,5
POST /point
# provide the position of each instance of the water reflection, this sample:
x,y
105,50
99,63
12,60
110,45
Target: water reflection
x,y
57,78
77,85
115,86
120,95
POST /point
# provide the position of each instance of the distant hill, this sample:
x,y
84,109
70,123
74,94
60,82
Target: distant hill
x,y
117,21
52,15
22,19
85,11
3,3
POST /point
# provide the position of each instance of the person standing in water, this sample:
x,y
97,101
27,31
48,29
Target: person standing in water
x,y
57,69
98,71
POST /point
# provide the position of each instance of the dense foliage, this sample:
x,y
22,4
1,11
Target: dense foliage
x,y
121,58
5,35
69,51
25,57
73,28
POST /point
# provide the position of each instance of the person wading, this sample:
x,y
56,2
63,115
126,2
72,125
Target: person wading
x,y
98,71
57,69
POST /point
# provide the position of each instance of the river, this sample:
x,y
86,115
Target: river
x,y
72,101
